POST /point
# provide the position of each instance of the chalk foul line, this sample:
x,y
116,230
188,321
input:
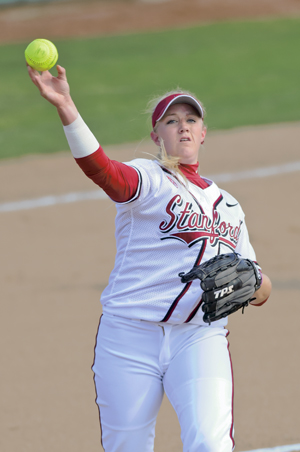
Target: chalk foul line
x,y
290,448
257,173
47,201
50,200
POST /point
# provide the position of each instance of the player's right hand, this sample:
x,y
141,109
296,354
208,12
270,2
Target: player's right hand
x,y
54,89
57,91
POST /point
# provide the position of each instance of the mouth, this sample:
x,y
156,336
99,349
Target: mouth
x,y
183,139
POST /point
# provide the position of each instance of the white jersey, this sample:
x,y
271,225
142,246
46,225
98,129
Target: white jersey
x,y
167,228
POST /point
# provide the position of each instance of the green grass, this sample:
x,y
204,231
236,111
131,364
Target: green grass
x,y
245,73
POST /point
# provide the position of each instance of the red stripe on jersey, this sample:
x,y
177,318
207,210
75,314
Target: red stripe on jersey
x,y
186,287
119,181
194,312
217,202
176,301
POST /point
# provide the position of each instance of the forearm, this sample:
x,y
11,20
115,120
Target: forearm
x,y
263,293
67,112
81,140
118,180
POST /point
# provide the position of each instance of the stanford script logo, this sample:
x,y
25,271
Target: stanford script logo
x,y
184,224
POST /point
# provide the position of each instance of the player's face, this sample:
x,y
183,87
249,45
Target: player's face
x,y
182,132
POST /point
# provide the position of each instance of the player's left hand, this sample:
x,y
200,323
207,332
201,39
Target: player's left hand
x,y
228,284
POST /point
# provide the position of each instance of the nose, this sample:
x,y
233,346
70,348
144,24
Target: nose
x,y
183,126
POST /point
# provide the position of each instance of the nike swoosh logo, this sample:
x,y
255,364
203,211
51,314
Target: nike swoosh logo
x,y
231,205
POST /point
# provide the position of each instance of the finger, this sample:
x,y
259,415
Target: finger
x,y
32,71
33,74
45,75
61,72
209,306
209,297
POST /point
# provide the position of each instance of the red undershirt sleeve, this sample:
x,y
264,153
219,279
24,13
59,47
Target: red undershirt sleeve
x,y
119,181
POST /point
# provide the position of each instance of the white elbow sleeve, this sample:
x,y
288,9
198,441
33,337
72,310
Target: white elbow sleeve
x,y
81,140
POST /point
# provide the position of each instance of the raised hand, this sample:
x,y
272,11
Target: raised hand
x,y
55,90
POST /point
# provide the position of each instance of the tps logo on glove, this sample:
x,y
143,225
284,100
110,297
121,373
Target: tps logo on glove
x,y
223,292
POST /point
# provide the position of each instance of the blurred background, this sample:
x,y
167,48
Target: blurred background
x,y
240,57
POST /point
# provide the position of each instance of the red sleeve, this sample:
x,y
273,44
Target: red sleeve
x,y
118,180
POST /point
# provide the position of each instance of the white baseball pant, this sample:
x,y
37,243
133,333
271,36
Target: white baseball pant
x,y
136,361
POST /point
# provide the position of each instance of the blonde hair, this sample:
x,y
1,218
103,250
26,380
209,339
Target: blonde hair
x,y
168,161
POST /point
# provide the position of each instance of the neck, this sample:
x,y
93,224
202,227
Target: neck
x,y
193,167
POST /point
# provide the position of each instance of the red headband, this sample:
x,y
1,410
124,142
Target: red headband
x,y
164,104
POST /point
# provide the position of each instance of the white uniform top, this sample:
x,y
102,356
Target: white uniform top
x,y
167,228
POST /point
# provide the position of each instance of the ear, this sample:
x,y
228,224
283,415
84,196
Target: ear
x,y
203,134
155,138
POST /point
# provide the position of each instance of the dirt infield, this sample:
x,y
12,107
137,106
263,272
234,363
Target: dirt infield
x,y
56,261
78,19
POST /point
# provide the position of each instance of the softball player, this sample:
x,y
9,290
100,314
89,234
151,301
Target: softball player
x,y
151,337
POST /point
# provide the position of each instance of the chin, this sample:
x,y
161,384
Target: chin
x,y
188,160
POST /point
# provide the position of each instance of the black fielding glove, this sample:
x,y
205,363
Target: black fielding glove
x,y
228,283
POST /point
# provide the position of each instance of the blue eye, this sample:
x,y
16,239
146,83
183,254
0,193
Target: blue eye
x,y
171,121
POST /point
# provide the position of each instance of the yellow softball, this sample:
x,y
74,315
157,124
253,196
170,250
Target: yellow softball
x,y
41,54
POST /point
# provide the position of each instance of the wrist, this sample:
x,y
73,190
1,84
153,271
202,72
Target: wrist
x,y
263,293
67,111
